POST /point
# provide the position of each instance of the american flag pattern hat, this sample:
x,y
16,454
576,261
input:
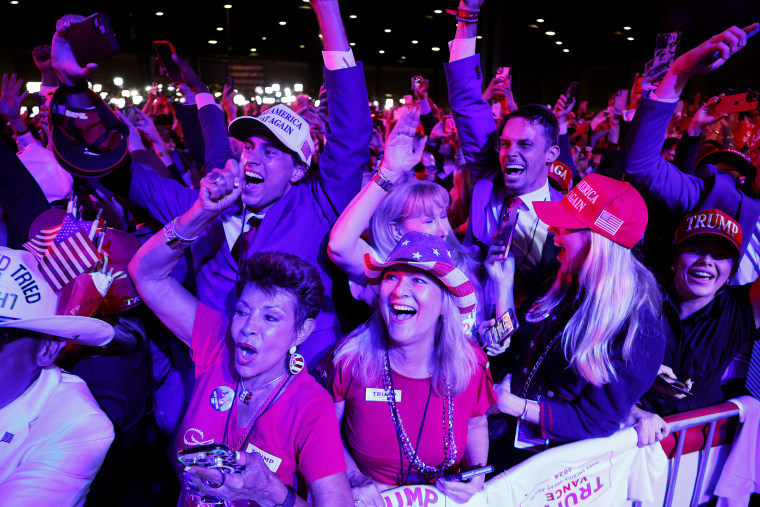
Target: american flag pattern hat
x,y
431,254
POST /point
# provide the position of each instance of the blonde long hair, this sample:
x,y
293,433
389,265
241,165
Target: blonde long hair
x,y
453,360
614,292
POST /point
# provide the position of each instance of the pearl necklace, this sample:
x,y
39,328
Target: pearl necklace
x,y
449,443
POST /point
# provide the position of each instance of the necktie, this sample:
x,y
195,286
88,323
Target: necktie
x,y
753,373
753,255
240,248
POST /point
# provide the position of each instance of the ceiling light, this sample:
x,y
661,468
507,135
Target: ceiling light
x,y
550,33
301,46
212,42
626,28
14,2
283,23
630,38
435,48
438,11
478,37
382,51
352,16
565,50
532,26
159,13
539,20
227,6
415,42
219,28
253,50
559,42
387,30
352,44
403,58
617,33
263,38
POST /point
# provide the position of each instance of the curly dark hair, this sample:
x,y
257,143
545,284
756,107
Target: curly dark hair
x,y
276,271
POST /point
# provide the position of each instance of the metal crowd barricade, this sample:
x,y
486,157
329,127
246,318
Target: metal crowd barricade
x,y
710,427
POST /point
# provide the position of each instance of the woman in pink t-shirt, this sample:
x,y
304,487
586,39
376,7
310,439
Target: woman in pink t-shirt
x,y
248,392
410,389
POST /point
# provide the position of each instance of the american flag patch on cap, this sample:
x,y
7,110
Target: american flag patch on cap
x,y
7,437
306,149
608,222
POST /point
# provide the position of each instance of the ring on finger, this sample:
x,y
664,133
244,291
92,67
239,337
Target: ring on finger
x,y
214,178
215,485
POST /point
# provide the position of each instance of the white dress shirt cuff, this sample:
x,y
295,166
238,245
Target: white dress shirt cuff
x,y
205,99
336,60
461,48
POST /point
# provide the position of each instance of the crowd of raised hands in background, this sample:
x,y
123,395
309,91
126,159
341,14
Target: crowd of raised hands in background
x,y
500,263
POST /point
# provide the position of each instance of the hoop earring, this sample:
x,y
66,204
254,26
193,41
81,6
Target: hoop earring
x,y
295,361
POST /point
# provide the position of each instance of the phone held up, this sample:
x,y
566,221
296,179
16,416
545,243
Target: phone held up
x,y
736,103
502,75
92,40
164,49
672,386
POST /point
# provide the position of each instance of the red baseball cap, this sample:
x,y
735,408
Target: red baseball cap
x,y
711,221
606,206
562,175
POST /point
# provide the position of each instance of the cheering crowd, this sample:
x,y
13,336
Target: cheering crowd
x,y
310,305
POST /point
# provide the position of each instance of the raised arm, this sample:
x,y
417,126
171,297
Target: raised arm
x,y
346,248
472,114
350,126
151,266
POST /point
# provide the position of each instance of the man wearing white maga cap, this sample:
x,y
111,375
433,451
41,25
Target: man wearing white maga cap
x,y
53,434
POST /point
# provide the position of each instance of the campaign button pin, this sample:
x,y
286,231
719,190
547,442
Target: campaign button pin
x,y
221,398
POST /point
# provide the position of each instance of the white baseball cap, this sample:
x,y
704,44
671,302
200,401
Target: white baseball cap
x,y
28,302
287,126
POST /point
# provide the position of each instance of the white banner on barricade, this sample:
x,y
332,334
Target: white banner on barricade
x,y
417,495
601,471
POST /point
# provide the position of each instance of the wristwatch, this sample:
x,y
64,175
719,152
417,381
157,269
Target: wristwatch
x,y
290,500
174,240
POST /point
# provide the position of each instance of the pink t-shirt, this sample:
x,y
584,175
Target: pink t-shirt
x,y
369,429
298,435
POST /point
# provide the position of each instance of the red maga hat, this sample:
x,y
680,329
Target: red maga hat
x,y
606,206
711,221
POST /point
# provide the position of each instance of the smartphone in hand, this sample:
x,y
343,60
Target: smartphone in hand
x,y
673,385
92,40
736,103
165,50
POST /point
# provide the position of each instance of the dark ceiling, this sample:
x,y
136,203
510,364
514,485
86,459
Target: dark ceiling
x,y
592,31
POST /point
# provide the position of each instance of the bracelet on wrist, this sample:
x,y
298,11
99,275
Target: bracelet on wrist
x,y
524,410
464,15
173,239
382,180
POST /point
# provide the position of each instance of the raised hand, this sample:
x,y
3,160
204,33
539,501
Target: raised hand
x,y
11,96
220,188
189,75
703,118
42,56
713,53
64,63
562,108
403,149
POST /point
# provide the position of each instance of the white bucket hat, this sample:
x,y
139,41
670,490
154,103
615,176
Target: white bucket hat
x,y
28,302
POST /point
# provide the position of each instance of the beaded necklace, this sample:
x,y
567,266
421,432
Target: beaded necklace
x,y
449,443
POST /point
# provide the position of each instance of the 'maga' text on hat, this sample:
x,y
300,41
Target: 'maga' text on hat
x,y
587,190
25,281
269,118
